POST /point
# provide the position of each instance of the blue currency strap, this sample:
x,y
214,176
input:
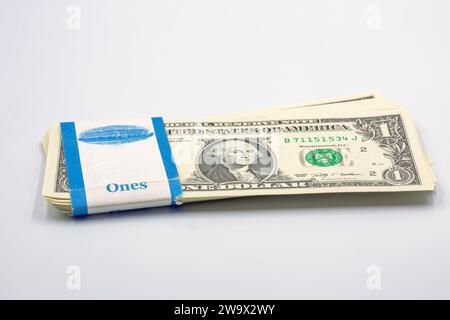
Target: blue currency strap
x,y
74,172
166,155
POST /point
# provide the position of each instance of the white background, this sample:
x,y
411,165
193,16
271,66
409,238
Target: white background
x,y
113,59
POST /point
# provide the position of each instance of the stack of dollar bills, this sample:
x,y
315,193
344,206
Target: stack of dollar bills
x,y
361,143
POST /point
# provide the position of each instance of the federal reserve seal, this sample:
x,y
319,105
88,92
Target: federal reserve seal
x,y
323,157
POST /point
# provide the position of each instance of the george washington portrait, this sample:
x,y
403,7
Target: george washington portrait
x,y
236,160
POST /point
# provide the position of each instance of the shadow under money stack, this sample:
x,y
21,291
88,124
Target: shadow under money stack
x,y
362,143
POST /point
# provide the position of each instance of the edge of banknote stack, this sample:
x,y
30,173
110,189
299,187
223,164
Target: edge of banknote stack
x,y
360,143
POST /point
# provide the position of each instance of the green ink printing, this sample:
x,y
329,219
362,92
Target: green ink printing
x,y
323,157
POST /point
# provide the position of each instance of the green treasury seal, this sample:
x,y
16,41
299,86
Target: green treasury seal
x,y
324,157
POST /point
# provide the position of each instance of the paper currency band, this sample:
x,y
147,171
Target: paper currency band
x,y
75,172
73,169
166,154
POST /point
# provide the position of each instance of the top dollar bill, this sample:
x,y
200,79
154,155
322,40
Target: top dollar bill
x,y
322,150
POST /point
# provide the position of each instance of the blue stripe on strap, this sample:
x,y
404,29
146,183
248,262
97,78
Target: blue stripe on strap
x,y
74,172
166,155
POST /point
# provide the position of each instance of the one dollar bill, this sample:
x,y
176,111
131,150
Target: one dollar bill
x,y
356,153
